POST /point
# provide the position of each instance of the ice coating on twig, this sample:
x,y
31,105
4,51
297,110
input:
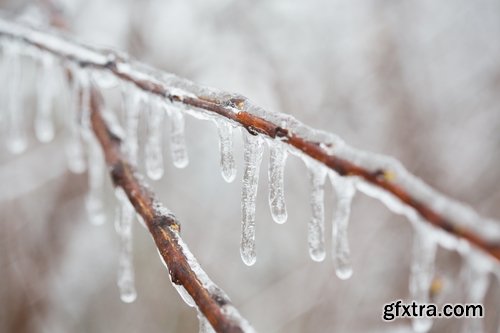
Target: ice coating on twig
x,y
180,288
422,271
44,123
154,148
96,176
74,148
216,293
228,309
345,191
16,139
133,101
253,151
227,164
205,326
125,214
277,161
316,226
177,138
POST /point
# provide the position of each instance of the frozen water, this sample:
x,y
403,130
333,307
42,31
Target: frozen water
x,y
177,140
316,226
123,224
73,148
134,101
228,166
344,190
205,326
422,271
96,176
44,126
154,147
253,151
277,160
16,139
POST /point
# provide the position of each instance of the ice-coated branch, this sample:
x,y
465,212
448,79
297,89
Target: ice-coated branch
x,y
375,175
184,270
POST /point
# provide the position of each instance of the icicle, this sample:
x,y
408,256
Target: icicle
x,y
345,190
123,225
316,227
95,207
252,158
16,140
205,326
228,166
133,102
154,149
73,148
104,79
476,284
277,160
44,127
177,139
422,271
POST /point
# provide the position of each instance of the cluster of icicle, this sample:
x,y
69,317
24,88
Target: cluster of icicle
x,y
139,103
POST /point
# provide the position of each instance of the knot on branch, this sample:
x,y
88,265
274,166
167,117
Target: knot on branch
x,y
165,221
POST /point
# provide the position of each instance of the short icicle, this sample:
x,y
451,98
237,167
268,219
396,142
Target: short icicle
x,y
228,166
205,326
154,148
44,124
476,281
16,139
96,176
422,271
177,138
253,151
345,191
123,224
74,147
277,161
316,226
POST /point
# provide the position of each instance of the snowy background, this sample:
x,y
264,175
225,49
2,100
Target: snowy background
x,y
417,80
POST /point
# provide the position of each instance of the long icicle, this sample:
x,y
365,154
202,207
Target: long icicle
x,y
133,101
316,226
345,191
277,161
177,138
476,281
123,224
154,147
97,172
73,148
228,166
16,139
253,151
422,271
44,124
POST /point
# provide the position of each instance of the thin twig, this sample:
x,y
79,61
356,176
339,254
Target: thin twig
x,y
165,228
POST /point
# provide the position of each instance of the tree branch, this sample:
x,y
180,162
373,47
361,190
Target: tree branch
x,y
164,227
381,172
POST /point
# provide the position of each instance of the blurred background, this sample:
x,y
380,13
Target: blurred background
x,y
418,80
